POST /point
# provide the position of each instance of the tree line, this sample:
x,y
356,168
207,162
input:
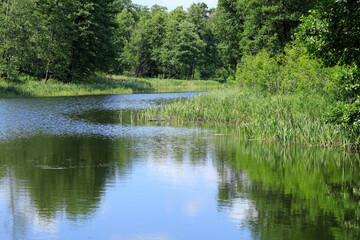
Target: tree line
x,y
70,39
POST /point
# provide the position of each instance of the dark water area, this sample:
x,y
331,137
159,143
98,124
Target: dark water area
x,y
83,168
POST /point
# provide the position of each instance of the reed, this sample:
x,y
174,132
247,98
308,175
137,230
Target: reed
x,y
288,119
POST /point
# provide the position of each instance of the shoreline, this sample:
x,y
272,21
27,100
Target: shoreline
x,y
103,85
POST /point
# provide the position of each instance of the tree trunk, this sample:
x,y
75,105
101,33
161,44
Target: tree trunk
x,y
49,58
47,71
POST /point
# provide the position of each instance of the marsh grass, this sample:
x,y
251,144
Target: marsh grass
x,y
100,85
288,119
176,85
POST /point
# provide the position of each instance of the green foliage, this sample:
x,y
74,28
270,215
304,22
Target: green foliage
x,y
137,52
347,84
49,38
332,31
346,90
261,25
178,44
260,72
96,85
227,29
269,24
302,187
289,119
125,25
292,72
346,113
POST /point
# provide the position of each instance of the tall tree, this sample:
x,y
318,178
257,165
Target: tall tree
x,y
91,50
332,31
169,55
269,24
199,15
156,30
189,50
51,38
137,52
227,27
125,26
262,24
14,30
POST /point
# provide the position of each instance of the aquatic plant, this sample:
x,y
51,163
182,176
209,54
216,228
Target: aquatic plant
x,y
296,118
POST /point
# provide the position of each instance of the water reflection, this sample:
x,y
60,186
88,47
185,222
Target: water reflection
x,y
124,181
297,193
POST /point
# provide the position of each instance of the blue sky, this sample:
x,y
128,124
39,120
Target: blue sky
x,y
171,4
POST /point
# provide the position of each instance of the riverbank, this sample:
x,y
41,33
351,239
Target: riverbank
x,y
289,119
101,85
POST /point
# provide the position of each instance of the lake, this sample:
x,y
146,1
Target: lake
x,y
84,168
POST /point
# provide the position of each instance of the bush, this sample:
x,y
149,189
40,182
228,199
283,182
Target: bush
x,y
347,84
347,90
260,72
294,71
346,113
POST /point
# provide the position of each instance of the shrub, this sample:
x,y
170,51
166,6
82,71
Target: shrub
x,y
260,72
293,71
347,90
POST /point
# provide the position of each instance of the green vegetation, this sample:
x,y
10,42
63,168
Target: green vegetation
x,y
273,102
101,85
294,73
278,49
288,119
292,188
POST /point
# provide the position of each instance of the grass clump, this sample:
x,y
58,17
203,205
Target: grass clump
x,y
295,118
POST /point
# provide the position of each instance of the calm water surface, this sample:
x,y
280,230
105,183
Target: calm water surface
x,y
82,168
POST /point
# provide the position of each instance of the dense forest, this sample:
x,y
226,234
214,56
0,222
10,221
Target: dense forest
x,y
275,46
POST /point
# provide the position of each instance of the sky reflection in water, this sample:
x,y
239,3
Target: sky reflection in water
x,y
70,168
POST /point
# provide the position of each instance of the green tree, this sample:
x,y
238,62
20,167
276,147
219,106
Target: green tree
x,y
51,39
15,29
156,29
125,27
168,56
199,15
91,50
227,28
332,32
189,50
137,52
269,24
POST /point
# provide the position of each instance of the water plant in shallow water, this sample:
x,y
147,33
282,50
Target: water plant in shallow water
x,y
296,118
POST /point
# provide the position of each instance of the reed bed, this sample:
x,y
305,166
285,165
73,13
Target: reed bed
x,y
295,118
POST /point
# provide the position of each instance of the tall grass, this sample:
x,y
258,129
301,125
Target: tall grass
x,y
295,118
100,85
176,85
